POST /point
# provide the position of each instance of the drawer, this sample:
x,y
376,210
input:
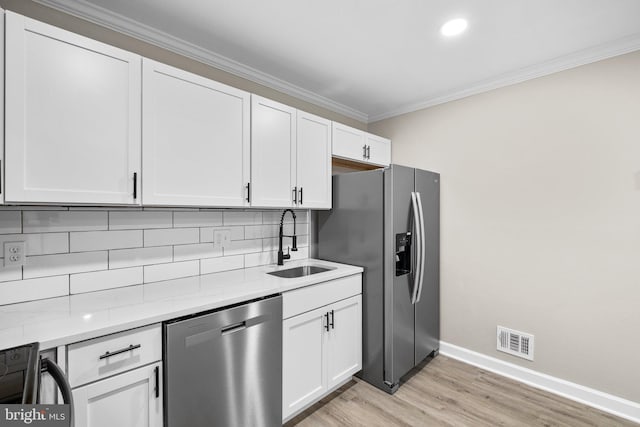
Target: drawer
x,y
102,357
315,296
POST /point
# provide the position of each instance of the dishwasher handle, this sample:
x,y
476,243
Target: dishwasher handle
x,y
234,328
217,332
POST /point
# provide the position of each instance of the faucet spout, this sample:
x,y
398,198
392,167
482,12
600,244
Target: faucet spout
x,y
281,255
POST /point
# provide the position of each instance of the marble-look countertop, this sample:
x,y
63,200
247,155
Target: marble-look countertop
x,y
64,320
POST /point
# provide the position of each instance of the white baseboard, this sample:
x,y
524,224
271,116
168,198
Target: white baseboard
x,y
605,402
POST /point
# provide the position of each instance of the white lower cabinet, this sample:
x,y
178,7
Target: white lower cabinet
x,y
322,348
304,364
344,340
117,379
131,399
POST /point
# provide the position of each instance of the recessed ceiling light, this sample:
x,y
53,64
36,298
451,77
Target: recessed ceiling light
x,y
454,27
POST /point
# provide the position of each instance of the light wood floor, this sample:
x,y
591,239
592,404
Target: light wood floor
x,y
445,392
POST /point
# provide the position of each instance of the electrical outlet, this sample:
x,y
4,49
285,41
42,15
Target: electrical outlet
x,y
221,237
14,253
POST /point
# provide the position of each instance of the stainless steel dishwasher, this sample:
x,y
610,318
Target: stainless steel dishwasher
x,y
224,368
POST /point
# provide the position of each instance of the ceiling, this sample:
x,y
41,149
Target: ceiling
x,y
372,59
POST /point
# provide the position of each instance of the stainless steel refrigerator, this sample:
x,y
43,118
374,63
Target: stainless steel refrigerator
x,y
388,221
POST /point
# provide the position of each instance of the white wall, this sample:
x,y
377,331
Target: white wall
x,y
540,218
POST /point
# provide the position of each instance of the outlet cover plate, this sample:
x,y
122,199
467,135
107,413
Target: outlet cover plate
x,y
14,253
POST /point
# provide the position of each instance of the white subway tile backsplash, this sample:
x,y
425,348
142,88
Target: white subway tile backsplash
x,y
140,219
82,241
171,236
84,249
242,218
260,258
40,243
272,244
261,231
106,279
197,219
273,217
243,247
214,265
206,234
174,270
53,265
121,258
10,222
9,273
33,289
195,251
55,221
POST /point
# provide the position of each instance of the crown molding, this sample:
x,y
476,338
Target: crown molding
x,y
565,62
113,21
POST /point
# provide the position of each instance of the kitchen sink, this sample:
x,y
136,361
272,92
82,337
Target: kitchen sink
x,y
304,270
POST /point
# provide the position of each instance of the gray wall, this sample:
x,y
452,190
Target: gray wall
x,y
541,218
79,26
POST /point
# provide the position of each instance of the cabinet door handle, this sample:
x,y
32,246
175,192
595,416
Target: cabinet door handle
x,y
326,323
295,195
122,350
300,195
368,152
364,151
332,320
157,374
135,185
248,187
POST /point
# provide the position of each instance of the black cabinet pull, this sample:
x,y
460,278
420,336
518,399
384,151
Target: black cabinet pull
x,y
300,195
122,350
368,152
157,374
135,185
248,187
295,195
326,324
332,320
364,151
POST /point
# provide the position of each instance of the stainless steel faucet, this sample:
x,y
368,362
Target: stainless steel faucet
x,y
294,238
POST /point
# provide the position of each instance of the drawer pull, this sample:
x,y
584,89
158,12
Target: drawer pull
x,y
123,350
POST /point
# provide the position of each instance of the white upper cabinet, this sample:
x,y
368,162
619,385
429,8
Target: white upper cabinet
x,y
378,150
273,154
348,143
195,140
354,144
314,162
72,117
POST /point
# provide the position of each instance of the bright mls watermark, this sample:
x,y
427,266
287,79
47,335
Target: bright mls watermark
x,y
34,415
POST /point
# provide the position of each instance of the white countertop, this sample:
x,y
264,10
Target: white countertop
x,y
64,320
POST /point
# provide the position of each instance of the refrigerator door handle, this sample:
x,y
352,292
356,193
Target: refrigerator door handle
x,y
418,228
423,252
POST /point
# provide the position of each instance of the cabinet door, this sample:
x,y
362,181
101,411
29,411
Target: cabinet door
x,y
379,150
72,117
348,143
303,362
125,400
273,153
314,161
195,139
344,340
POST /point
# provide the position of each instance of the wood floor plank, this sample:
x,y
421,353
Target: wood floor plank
x,y
446,392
